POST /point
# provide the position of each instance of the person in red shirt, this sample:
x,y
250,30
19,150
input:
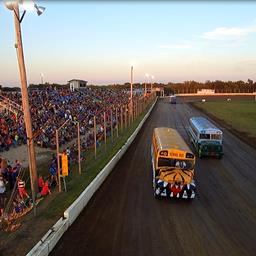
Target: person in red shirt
x,y
40,183
22,190
45,190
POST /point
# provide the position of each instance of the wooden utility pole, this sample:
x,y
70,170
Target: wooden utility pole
x,y
117,124
131,94
121,119
25,105
111,126
58,158
95,137
105,131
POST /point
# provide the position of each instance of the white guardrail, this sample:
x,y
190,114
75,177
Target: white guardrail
x,y
50,239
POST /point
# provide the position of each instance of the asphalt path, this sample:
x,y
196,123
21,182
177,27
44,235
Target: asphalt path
x,y
123,217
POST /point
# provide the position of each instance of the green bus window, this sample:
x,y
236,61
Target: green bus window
x,y
216,136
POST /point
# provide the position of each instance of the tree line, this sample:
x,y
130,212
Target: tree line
x,y
218,86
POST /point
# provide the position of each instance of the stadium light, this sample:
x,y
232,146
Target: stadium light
x,y
39,9
25,6
145,89
42,78
14,6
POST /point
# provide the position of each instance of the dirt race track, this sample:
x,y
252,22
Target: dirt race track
x,y
124,218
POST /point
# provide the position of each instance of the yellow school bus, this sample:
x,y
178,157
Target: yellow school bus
x,y
173,165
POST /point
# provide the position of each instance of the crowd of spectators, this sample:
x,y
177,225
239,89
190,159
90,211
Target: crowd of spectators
x,y
51,107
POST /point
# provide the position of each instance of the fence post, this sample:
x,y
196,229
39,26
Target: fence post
x,y
95,137
58,158
79,148
111,127
116,123
105,131
121,118
125,116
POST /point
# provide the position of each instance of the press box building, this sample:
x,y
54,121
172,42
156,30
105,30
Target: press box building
x,y
77,84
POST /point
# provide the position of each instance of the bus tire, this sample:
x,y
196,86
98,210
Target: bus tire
x,y
156,196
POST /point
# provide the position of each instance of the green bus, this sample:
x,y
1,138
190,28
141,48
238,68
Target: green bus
x,y
206,137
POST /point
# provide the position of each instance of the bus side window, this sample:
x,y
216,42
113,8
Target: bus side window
x,y
205,136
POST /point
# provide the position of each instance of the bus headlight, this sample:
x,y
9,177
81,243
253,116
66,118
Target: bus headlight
x,y
189,155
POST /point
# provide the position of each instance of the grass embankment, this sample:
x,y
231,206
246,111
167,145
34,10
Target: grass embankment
x,y
89,169
237,116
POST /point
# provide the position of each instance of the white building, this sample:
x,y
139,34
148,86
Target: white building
x,y
77,84
205,91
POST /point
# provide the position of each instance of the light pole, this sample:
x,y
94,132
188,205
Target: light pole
x,y
14,6
42,78
146,76
152,77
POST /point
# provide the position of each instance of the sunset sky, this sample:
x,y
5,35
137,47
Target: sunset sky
x,y
174,41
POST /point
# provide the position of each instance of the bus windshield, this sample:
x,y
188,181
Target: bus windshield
x,y
175,163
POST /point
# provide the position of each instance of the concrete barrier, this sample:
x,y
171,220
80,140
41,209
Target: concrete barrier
x,y
58,230
50,239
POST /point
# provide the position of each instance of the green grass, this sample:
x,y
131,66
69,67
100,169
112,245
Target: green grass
x,y
240,115
90,168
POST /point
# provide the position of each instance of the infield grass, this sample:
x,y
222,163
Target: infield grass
x,y
238,115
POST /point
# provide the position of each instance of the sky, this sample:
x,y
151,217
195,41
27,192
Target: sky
x,y
98,41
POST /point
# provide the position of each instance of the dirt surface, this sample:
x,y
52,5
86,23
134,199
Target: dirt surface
x,y
21,153
124,218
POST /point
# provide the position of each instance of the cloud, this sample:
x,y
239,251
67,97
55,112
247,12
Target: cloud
x,y
175,46
233,33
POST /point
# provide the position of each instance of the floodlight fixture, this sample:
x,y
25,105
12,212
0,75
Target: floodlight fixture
x,y
26,6
39,9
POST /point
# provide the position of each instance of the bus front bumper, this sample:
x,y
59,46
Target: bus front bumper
x,y
165,189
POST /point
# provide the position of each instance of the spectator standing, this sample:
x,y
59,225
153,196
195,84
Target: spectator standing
x,y
22,190
53,173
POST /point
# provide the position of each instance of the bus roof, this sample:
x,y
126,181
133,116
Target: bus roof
x,y
168,138
203,125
